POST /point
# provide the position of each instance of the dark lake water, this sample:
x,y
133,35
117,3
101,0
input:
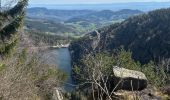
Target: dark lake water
x,y
62,59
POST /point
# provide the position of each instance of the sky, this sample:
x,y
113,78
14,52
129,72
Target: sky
x,y
89,1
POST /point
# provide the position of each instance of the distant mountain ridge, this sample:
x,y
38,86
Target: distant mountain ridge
x,y
106,15
143,6
41,12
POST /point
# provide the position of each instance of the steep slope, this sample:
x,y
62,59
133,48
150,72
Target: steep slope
x,y
146,35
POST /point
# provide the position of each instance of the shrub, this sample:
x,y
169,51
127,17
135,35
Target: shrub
x,y
26,76
104,62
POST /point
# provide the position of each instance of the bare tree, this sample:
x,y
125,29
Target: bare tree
x,y
97,73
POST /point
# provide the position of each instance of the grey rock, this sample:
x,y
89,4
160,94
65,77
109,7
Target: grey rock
x,y
125,79
57,94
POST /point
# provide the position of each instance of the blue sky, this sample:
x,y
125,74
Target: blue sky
x,y
88,1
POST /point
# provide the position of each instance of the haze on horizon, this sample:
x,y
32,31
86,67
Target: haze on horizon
x,y
90,1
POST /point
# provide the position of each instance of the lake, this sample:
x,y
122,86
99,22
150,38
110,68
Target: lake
x,y
62,59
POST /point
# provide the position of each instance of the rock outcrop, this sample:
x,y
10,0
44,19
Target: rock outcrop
x,y
125,79
57,94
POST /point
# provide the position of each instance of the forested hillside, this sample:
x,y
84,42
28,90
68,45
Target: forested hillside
x,y
146,35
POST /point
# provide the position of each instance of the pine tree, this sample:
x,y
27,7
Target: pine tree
x,y
9,32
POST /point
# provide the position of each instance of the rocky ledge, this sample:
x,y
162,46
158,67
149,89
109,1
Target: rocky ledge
x,y
125,79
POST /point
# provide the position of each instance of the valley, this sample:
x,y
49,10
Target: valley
x,y
71,24
94,34
88,51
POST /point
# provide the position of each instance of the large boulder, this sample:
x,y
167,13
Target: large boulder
x,y
125,79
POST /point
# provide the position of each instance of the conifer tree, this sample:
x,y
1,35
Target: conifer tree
x,y
10,23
